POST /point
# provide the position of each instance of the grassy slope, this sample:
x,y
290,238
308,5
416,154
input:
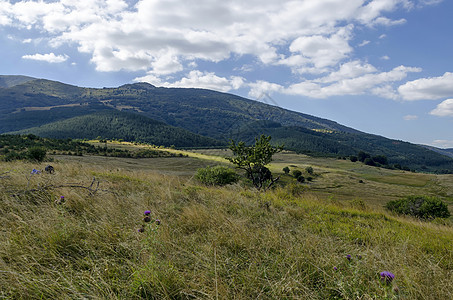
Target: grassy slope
x,y
213,241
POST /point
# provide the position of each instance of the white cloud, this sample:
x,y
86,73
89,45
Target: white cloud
x,y
385,91
428,88
370,82
385,57
410,117
50,57
444,144
165,39
324,51
388,22
261,88
364,43
139,35
198,79
370,13
444,109
429,2
352,69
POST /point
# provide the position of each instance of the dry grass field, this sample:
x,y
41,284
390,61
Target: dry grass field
x,y
325,239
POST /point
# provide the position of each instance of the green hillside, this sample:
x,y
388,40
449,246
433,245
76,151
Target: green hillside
x,y
201,111
335,143
7,81
211,114
113,124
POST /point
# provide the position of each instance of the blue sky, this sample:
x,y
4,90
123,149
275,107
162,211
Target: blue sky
x,y
381,66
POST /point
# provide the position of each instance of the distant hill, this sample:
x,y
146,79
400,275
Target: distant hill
x,y
7,81
114,124
58,109
334,143
446,152
201,111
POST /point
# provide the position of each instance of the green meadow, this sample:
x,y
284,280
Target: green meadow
x,y
328,238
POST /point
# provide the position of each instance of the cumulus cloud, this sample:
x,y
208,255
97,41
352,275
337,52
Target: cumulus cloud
x,y
443,144
356,85
168,38
198,79
114,30
432,88
260,88
324,51
50,57
444,109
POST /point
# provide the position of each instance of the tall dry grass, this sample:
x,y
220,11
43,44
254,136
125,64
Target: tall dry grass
x,y
226,243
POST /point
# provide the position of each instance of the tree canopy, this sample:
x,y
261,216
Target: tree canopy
x,y
253,160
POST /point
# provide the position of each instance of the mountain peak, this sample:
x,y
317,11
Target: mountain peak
x,y
7,81
139,86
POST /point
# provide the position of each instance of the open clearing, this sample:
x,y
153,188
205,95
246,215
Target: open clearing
x,y
336,179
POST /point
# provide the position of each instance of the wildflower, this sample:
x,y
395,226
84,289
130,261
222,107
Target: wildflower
x,y
142,229
157,221
34,171
387,277
335,268
348,257
62,198
147,212
147,219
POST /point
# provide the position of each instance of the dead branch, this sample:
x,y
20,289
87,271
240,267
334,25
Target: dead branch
x,y
93,188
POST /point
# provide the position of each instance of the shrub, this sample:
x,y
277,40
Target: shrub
x,y
297,173
423,207
301,179
217,175
309,170
369,162
36,153
286,170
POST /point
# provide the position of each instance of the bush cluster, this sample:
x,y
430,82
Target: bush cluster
x,y
217,175
423,207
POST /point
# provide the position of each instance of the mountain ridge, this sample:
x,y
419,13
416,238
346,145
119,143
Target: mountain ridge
x,y
211,114
7,81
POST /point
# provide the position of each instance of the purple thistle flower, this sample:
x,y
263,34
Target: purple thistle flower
x,y
61,198
387,276
157,221
147,219
348,257
141,230
147,212
335,268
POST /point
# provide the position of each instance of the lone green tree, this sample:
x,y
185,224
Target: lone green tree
x,y
253,160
